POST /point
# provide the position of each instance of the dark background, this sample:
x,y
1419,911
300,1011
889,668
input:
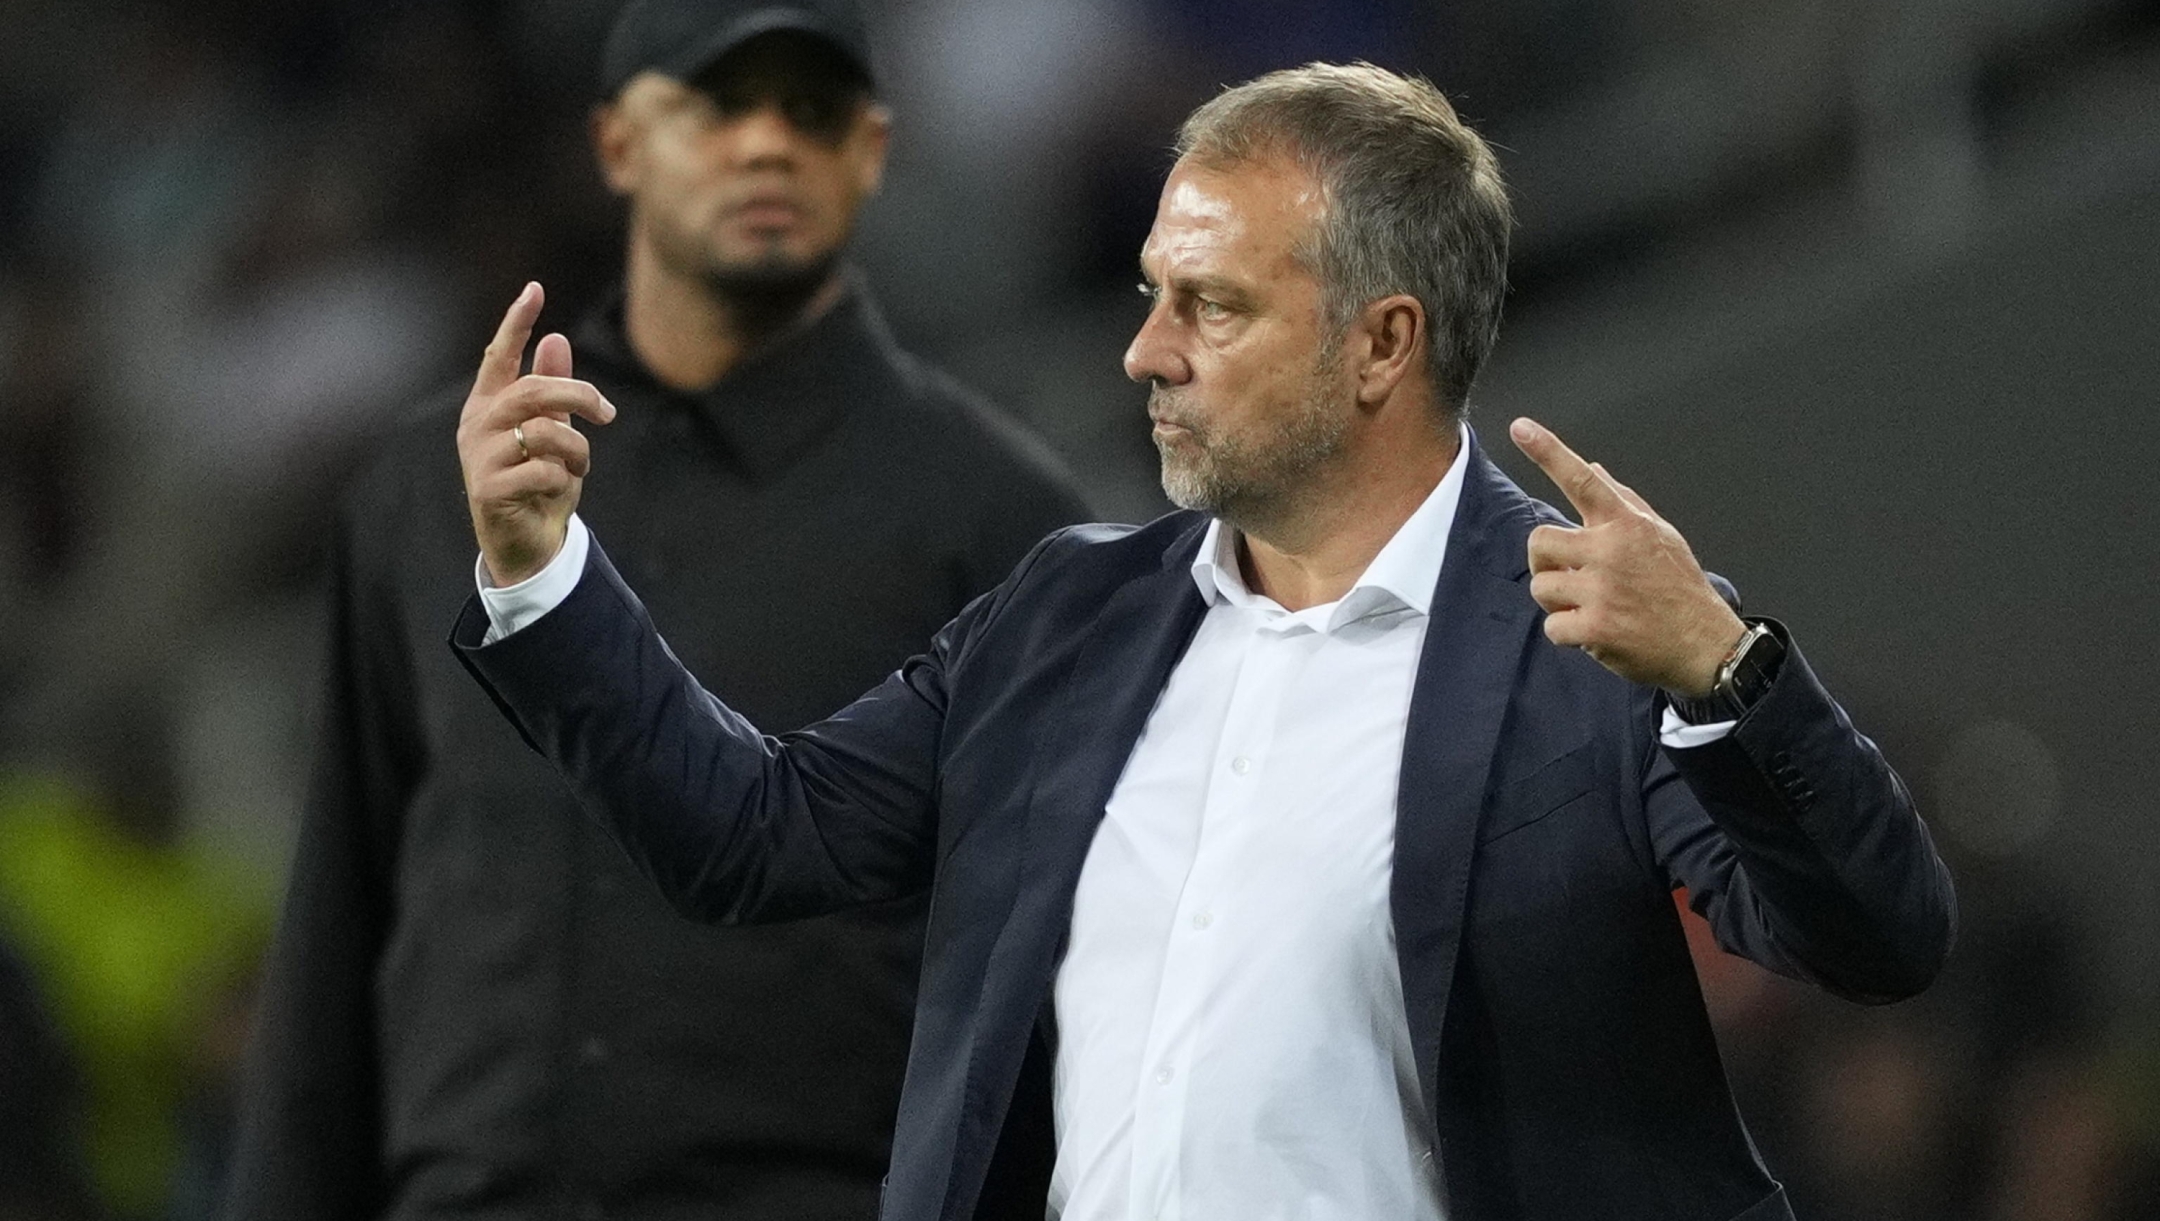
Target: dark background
x,y
1863,296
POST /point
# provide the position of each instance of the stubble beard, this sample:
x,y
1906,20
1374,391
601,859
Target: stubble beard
x,y
1253,482
772,272
765,292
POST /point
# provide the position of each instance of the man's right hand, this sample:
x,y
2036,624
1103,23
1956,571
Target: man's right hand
x,y
524,462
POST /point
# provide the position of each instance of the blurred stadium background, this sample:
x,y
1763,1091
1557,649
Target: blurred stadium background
x,y
1864,296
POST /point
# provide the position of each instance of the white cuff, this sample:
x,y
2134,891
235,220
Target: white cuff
x,y
513,608
1677,733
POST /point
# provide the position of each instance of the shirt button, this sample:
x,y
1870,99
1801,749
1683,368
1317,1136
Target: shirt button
x,y
1163,1075
1202,919
1241,765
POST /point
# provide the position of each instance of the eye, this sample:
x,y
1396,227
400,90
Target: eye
x,y
821,116
1210,310
730,102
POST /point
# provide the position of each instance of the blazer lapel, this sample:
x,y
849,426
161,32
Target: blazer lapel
x,y
1482,619
1119,671
1126,658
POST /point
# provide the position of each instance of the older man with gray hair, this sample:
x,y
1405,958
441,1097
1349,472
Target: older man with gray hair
x,y
1308,852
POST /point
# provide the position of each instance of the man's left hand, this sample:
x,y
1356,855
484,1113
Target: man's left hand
x,y
1623,587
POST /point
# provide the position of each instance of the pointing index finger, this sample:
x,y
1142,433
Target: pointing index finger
x,y
505,355
1587,488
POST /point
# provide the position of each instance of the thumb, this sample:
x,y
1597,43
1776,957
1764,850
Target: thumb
x,y
551,358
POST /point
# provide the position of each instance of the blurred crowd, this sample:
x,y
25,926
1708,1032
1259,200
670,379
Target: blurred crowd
x,y
237,235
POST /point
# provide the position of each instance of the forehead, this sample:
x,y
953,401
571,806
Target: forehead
x,y
1246,217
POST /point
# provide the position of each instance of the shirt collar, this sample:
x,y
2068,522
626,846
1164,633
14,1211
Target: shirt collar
x,y
1401,577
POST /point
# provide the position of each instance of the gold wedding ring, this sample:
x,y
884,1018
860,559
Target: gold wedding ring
x,y
517,434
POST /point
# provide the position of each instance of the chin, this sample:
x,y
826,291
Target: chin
x,y
1187,488
771,260
771,271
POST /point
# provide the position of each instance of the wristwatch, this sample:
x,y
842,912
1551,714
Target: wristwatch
x,y
1742,678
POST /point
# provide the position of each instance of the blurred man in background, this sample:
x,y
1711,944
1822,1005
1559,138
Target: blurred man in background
x,y
474,1007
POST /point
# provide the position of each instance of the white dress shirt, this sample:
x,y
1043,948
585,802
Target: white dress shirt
x,y
1231,1037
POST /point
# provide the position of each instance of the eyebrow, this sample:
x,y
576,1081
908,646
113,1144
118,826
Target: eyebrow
x,y
1203,286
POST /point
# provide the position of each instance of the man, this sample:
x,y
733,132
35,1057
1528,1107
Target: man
x,y
1307,853
475,1008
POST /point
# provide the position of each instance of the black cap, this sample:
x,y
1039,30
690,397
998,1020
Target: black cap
x,y
681,38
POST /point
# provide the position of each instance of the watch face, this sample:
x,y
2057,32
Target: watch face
x,y
1741,680
1753,669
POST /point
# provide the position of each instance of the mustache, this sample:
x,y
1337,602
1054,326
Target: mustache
x,y
764,195
1164,407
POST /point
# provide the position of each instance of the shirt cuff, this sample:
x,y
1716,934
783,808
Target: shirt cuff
x,y
1675,732
513,608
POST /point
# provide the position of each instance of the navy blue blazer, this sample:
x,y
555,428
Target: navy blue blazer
x,y
1561,1041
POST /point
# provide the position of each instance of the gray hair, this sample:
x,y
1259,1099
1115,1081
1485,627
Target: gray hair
x,y
1414,200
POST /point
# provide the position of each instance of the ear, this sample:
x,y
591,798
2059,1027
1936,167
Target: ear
x,y
615,133
1386,347
871,137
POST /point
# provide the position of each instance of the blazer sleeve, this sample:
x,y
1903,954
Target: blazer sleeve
x,y
309,1140
1802,848
731,824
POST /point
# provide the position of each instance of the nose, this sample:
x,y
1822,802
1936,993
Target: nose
x,y
1155,354
762,135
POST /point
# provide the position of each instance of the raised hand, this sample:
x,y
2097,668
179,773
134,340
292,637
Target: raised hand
x,y
1623,587
524,463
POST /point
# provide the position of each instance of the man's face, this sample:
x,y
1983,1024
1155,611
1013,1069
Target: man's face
x,y
1247,397
752,174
